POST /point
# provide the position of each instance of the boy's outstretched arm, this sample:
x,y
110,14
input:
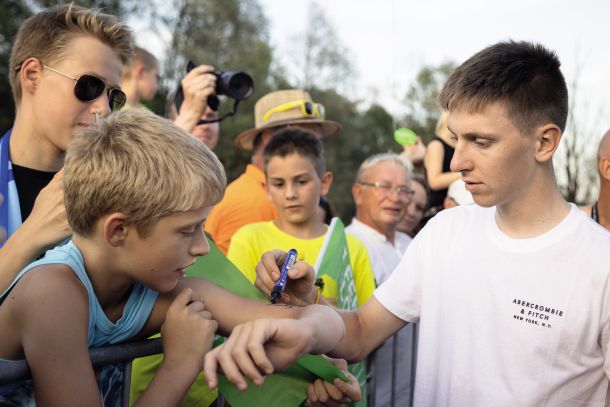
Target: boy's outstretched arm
x,y
365,329
262,346
46,226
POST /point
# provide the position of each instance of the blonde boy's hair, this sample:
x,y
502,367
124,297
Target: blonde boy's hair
x,y
47,36
142,57
141,165
441,125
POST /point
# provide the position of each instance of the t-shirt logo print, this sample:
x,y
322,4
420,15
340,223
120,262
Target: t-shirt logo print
x,y
536,314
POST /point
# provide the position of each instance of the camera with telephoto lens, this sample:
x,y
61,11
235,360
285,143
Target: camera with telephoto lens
x,y
237,85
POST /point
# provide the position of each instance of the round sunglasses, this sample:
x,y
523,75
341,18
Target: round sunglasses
x,y
89,87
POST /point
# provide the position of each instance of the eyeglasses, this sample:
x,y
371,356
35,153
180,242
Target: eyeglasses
x,y
89,87
402,191
308,109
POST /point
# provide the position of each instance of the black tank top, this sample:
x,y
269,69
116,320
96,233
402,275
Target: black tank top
x,y
437,197
29,184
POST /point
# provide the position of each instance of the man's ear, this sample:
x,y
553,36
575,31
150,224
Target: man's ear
x,y
266,186
326,182
138,71
30,74
357,193
547,142
116,229
603,166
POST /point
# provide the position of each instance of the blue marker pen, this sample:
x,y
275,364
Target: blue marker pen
x,y
278,289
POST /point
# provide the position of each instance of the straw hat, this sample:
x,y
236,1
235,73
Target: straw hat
x,y
289,117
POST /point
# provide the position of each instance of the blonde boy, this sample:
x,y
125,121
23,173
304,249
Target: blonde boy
x,y
141,78
296,177
65,68
138,190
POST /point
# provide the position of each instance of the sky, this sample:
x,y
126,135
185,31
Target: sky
x,y
390,40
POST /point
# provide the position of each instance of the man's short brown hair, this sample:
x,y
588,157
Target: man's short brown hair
x,y
48,34
523,75
141,165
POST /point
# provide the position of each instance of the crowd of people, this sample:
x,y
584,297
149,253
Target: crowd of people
x,y
105,206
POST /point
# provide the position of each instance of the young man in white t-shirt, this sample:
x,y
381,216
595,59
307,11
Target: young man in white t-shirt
x,y
515,309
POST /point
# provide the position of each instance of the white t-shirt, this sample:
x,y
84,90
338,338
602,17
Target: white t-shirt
x,y
383,254
506,322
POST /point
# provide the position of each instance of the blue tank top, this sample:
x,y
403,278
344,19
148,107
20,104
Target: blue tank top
x,y
101,331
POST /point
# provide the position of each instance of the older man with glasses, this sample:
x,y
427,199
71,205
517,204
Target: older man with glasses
x,y
599,211
381,193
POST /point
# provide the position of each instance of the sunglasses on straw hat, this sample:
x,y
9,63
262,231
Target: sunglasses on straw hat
x,y
308,109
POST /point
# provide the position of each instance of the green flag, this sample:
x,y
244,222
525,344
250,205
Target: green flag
x,y
285,389
334,261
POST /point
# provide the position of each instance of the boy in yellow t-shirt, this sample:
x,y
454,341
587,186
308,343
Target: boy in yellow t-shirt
x,y
296,176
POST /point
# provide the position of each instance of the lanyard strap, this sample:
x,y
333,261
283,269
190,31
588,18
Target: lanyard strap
x,y
10,211
5,172
594,212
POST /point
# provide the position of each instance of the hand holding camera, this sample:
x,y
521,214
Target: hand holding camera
x,y
192,96
201,87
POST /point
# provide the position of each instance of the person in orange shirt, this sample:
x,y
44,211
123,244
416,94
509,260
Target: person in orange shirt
x,y
245,199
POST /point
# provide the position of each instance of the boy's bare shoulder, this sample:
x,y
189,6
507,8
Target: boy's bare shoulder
x,y
47,282
47,298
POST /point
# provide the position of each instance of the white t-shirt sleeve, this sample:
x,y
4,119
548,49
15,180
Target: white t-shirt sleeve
x,y
401,292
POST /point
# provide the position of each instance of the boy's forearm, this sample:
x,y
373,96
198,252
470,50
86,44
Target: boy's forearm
x,y
168,387
327,327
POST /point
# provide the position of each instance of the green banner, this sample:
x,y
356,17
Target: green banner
x,y
334,261
285,389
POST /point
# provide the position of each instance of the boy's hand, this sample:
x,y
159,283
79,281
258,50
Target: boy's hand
x,y
188,331
300,289
321,393
48,221
257,348
197,85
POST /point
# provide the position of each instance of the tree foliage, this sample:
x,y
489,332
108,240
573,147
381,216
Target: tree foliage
x,y
576,158
230,35
326,61
422,108
12,14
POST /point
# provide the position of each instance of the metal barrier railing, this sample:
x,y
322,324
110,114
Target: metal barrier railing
x,y
18,370
375,368
11,372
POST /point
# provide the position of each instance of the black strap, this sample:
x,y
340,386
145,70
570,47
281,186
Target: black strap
x,y
594,213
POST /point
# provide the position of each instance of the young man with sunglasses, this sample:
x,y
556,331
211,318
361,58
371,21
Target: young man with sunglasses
x,y
245,200
65,69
